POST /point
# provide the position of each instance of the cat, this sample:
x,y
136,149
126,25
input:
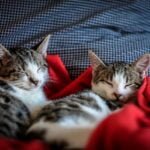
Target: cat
x,y
67,123
23,73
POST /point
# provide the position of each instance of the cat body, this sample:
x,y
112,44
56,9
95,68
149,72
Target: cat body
x,y
34,99
23,73
67,123
70,119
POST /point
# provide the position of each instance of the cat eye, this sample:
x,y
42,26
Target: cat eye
x,y
107,82
22,72
128,85
132,85
41,68
45,65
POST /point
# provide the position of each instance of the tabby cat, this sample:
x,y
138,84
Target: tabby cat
x,y
23,73
67,123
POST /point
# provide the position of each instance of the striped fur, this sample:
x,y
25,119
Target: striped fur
x,y
23,72
67,123
63,120
15,116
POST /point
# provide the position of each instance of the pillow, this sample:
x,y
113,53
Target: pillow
x,y
114,30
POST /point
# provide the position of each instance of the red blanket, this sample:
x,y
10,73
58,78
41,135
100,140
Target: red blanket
x,y
126,130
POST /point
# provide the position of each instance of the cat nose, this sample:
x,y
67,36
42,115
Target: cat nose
x,y
117,95
35,82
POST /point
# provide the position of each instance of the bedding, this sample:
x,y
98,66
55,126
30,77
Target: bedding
x,y
114,30
126,129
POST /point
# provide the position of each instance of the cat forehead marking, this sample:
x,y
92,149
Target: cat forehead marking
x,y
119,82
119,78
33,70
32,67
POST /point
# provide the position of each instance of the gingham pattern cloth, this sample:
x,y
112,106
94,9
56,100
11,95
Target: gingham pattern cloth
x,y
114,30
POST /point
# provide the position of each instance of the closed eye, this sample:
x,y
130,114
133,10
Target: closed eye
x,y
45,65
21,72
136,85
41,68
127,85
107,82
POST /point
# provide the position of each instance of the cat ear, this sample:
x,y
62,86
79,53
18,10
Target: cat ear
x,y
42,48
5,56
95,60
142,64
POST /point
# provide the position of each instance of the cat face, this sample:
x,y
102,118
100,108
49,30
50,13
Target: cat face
x,y
33,70
24,68
118,81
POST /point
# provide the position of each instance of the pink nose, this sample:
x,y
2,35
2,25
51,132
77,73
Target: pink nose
x,y
117,95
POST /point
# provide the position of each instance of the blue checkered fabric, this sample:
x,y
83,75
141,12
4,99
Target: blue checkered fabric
x,y
114,30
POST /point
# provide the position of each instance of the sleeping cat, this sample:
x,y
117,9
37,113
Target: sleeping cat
x,y
23,73
67,123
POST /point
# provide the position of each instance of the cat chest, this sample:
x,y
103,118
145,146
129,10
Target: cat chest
x,y
31,99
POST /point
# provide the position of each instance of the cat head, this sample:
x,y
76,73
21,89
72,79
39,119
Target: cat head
x,y
119,80
24,68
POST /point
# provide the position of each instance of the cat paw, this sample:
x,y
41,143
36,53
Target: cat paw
x,y
54,144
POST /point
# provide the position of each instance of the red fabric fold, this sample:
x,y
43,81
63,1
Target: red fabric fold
x,y
59,76
127,129
9,144
60,84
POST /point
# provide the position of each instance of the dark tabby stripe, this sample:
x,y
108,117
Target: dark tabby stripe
x,y
14,118
69,106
